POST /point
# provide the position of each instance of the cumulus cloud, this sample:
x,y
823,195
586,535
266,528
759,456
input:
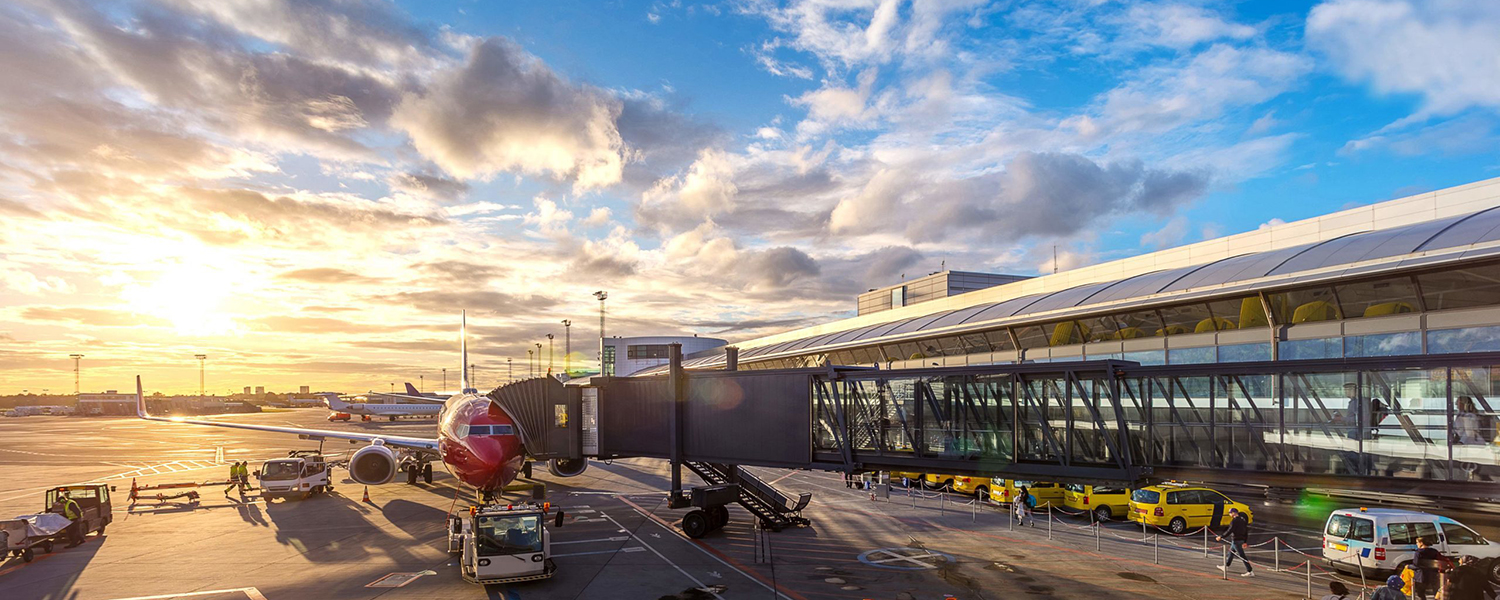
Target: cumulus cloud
x,y
1179,25
707,253
505,110
324,275
436,187
1445,51
1166,97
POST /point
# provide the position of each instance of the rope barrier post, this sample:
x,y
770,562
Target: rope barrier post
x,y
974,510
1276,551
1155,557
1309,578
1012,512
1205,541
942,503
1225,568
1096,530
1049,520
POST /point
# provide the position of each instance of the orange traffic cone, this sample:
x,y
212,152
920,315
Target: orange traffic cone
x,y
367,494
133,489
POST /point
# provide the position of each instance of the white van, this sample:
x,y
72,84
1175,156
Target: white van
x,y
1385,539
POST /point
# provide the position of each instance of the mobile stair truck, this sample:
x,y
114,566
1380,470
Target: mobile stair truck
x,y
503,543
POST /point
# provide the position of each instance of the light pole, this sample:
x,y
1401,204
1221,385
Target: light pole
x,y
567,345
601,295
201,358
549,355
538,359
76,358
421,384
393,387
509,374
445,380
473,376
530,370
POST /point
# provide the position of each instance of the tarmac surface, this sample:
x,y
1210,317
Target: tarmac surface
x,y
619,541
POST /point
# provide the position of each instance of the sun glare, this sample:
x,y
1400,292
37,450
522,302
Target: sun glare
x,y
191,297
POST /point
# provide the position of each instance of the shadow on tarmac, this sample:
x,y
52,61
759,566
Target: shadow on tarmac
x,y
339,530
51,576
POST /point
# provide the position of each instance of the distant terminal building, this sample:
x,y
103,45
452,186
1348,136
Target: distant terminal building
x,y
1416,275
931,287
247,390
624,356
260,390
111,402
296,402
303,390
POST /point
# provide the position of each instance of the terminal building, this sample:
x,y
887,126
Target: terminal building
x,y
625,356
1417,275
111,402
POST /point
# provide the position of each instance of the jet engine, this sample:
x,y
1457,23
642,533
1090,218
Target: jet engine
x,y
373,465
567,467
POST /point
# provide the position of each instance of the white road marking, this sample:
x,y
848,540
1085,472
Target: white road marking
x,y
249,592
690,542
659,555
632,549
608,539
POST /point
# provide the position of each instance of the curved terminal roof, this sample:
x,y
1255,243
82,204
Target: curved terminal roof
x,y
1291,264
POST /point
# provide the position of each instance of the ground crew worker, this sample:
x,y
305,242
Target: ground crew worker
x,y
71,512
234,478
243,477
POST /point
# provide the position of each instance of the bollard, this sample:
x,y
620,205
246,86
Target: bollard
x,y
942,503
1096,530
974,511
1155,558
1225,570
1012,512
1309,578
1205,541
1049,520
1276,551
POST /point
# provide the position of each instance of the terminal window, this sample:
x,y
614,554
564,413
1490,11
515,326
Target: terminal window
x,y
647,351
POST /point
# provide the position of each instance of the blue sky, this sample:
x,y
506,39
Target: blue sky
x,y
340,178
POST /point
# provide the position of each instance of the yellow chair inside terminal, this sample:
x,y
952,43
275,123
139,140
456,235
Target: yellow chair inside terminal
x,y
1128,333
1317,310
1171,330
1253,314
1068,332
1389,308
1213,324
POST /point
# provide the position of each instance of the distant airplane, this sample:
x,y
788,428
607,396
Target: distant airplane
x,y
423,407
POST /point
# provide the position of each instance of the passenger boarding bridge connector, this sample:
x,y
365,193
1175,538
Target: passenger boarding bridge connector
x,y
1380,424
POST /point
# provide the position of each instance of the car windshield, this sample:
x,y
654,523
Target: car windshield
x,y
281,470
501,535
1460,535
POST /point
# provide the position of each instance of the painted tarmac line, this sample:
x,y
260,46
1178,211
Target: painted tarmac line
x,y
715,554
630,549
608,539
660,555
249,592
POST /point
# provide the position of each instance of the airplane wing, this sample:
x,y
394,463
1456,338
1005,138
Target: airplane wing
x,y
395,441
423,399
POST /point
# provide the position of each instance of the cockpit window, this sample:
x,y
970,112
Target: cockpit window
x,y
491,430
498,536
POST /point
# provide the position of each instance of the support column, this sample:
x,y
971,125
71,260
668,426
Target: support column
x,y
732,358
679,401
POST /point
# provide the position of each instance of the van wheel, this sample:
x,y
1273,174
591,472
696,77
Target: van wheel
x,y
1102,514
982,493
1495,570
1177,526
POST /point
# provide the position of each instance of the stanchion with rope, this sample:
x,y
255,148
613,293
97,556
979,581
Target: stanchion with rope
x,y
1155,554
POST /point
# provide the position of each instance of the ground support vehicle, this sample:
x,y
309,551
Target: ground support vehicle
x,y
339,416
301,474
503,543
45,529
1379,541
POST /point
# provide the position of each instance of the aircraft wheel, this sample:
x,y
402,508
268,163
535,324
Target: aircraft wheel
x,y
411,475
393,419
718,516
427,472
695,524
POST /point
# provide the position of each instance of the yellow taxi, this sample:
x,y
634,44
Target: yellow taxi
x,y
978,487
1046,492
938,481
1178,507
1106,502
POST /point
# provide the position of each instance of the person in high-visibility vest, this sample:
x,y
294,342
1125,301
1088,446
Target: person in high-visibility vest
x,y
244,477
71,512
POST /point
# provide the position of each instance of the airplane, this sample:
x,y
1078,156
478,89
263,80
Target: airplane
x,y
431,407
476,441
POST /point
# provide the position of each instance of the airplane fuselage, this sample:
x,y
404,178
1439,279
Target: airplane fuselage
x,y
479,443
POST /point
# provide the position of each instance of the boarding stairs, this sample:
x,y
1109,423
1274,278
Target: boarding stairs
x,y
775,508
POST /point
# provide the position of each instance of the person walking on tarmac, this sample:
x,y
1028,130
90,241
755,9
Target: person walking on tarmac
x,y
234,478
1024,502
1239,533
244,477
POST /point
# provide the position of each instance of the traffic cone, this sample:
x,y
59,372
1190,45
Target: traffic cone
x,y
367,494
133,490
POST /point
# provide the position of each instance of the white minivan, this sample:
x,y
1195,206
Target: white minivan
x,y
1382,540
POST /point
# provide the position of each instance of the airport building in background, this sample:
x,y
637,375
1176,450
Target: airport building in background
x,y
625,356
1412,276
111,402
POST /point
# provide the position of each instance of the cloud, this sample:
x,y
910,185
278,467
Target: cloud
x,y
706,189
462,273
1162,98
436,187
1469,134
1170,234
475,301
1179,25
504,110
324,275
370,33
1445,51
703,252
316,325
92,317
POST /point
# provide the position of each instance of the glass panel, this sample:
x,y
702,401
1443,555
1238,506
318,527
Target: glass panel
x,y
1185,356
1245,352
1461,536
1476,414
1318,438
1247,422
1065,333
1383,344
1310,349
1468,339
1123,326
1235,313
1305,306
1031,336
1403,415
1406,534
1378,298
1146,357
1043,420
1461,288
999,339
1185,318
1180,417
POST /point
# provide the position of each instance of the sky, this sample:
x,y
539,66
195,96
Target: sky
x,y
309,192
